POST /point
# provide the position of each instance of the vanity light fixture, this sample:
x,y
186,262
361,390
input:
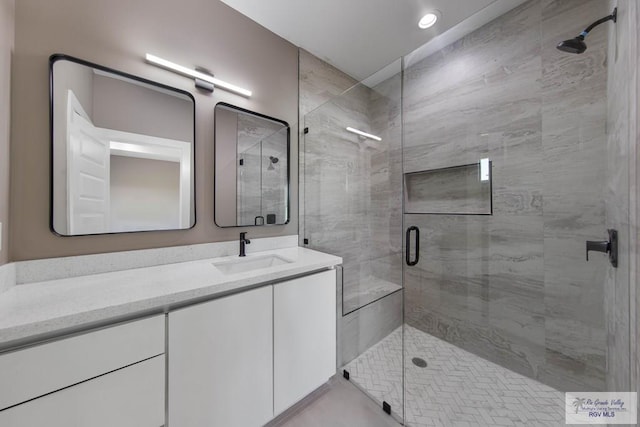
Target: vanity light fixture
x,y
428,20
197,75
364,134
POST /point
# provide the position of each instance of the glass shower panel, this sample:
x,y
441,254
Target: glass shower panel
x,y
275,170
353,189
352,208
249,182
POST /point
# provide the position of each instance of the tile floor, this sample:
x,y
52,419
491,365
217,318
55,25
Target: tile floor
x,y
338,404
456,388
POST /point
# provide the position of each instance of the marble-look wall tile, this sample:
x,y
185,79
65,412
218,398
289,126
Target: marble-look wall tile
x,y
319,82
455,190
367,326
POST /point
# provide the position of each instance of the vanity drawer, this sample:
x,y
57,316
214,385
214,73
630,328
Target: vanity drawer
x,y
129,397
45,368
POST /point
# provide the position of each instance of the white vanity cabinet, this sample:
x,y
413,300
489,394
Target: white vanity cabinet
x,y
113,376
304,336
221,362
234,361
241,359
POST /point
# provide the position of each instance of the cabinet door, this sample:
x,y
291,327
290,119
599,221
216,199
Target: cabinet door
x,y
221,362
304,336
129,397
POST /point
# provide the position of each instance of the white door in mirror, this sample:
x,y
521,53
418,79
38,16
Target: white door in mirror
x,y
88,171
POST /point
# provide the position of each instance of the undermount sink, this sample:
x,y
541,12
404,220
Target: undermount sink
x,y
249,263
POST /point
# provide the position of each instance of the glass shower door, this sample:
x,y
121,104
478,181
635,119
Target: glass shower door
x,y
506,167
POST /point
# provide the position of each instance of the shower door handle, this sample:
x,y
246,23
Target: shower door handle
x,y
408,246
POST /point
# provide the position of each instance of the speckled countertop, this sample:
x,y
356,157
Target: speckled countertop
x,y
37,310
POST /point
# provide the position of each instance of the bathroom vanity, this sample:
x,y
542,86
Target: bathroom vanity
x,y
195,343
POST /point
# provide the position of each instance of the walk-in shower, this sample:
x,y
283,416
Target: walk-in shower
x,y
489,164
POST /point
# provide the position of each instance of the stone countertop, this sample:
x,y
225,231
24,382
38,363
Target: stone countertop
x,y
41,310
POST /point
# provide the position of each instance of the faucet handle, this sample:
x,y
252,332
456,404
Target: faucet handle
x,y
607,246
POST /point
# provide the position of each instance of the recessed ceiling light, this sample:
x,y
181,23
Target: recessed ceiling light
x,y
428,20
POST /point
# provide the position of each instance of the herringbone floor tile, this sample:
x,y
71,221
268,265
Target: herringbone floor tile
x,y
456,388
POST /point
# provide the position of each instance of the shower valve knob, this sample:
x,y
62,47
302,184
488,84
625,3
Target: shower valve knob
x,y
610,247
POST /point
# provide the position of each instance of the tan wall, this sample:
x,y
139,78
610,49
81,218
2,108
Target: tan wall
x,y
6,48
117,34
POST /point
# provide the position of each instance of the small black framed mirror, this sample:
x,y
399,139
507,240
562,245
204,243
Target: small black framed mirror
x,y
123,151
251,168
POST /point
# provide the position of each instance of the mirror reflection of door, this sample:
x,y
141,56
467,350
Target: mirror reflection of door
x,y
122,152
121,181
88,169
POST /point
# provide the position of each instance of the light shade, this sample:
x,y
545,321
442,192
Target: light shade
x,y
364,134
428,20
196,75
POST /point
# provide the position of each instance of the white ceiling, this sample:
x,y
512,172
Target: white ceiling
x,y
360,37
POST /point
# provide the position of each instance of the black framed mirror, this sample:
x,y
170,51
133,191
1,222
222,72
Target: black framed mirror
x,y
123,151
251,168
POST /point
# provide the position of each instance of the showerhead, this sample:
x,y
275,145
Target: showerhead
x,y
272,161
577,45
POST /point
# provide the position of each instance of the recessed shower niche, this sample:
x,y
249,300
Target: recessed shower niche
x,y
456,190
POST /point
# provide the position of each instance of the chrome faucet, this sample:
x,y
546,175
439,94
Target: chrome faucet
x,y
243,242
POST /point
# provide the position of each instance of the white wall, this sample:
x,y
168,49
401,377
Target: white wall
x,y
137,109
145,194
